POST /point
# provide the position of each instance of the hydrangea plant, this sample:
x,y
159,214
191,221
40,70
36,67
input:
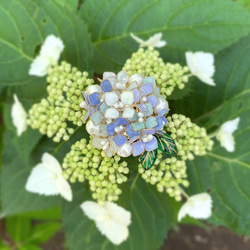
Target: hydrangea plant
x,y
144,136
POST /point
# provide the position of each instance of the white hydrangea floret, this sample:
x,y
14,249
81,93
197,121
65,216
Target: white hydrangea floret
x,y
225,134
154,40
46,178
201,64
198,206
48,56
111,219
19,116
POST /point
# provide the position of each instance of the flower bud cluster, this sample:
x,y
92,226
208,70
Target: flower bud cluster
x,y
50,116
84,162
167,175
190,138
149,63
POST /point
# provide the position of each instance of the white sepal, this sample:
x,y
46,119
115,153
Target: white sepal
x,y
19,116
201,64
225,134
46,179
198,206
154,40
48,56
111,219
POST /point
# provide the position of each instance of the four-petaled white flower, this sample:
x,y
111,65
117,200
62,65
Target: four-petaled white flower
x,y
111,219
46,178
201,65
198,206
225,136
154,41
19,116
49,55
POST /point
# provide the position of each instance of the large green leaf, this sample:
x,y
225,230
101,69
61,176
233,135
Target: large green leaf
x,y
208,25
20,155
24,26
152,215
18,227
16,167
226,174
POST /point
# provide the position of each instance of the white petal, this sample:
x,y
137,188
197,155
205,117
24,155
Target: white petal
x,y
94,129
111,98
160,44
50,162
42,181
119,214
154,40
183,211
163,104
128,113
98,142
94,211
19,116
137,39
127,97
230,126
226,141
111,113
122,77
201,206
114,231
202,65
93,88
108,74
198,206
64,188
136,78
125,150
40,66
52,48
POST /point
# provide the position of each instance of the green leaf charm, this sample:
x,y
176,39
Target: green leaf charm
x,y
166,143
148,158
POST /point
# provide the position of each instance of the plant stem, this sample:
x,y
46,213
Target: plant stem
x,y
184,193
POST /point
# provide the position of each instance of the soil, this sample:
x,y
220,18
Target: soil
x,y
184,237
196,238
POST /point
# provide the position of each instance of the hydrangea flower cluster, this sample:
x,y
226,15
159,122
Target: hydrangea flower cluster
x,y
126,114
50,116
104,175
168,76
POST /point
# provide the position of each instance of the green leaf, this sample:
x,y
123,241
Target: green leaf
x,y
208,25
18,227
166,143
245,4
152,215
225,174
147,159
53,213
16,167
41,233
29,247
24,25
71,4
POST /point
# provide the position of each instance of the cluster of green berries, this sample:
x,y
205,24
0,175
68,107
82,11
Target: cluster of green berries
x,y
149,63
104,175
51,115
190,138
167,174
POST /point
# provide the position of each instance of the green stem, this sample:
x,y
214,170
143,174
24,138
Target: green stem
x,y
184,193
213,134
